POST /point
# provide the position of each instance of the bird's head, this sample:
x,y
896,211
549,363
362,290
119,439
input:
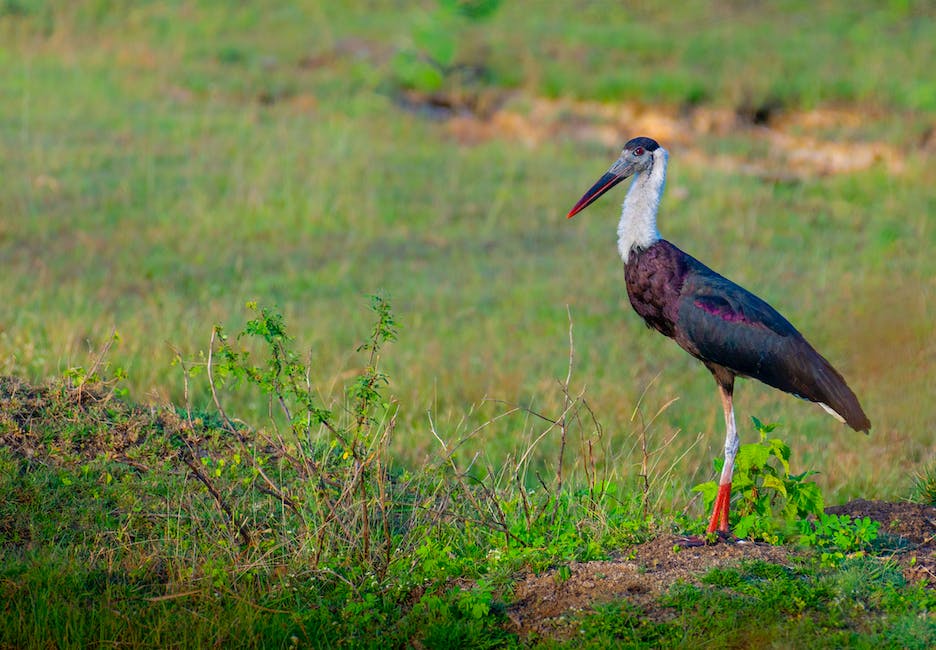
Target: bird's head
x,y
638,156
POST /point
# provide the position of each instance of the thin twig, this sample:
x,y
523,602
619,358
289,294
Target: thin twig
x,y
564,429
200,475
449,456
554,423
102,353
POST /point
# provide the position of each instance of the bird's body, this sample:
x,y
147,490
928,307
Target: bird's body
x,y
729,329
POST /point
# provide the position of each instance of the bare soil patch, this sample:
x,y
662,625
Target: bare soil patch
x,y
547,606
796,142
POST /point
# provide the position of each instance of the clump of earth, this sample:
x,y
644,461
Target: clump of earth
x,y
546,605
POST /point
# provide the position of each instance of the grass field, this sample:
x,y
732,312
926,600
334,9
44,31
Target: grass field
x,y
164,163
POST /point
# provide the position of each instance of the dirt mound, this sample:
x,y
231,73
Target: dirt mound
x,y
70,424
547,604
911,527
913,521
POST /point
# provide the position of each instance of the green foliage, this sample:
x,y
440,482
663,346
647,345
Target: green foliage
x,y
332,469
767,500
240,506
471,9
429,66
838,535
77,376
459,618
622,624
364,391
283,375
924,486
17,8
301,536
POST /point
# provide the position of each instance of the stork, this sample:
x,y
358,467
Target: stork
x,y
729,329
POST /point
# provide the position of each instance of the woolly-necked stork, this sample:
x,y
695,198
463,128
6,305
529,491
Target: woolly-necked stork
x,y
729,329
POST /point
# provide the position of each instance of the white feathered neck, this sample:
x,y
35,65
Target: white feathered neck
x,y
637,228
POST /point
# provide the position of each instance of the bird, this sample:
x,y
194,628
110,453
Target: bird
x,y
730,330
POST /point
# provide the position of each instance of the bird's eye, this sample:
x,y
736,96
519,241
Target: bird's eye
x,y
638,151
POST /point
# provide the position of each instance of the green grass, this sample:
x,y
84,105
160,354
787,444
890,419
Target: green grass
x,y
108,539
758,604
162,166
108,535
163,163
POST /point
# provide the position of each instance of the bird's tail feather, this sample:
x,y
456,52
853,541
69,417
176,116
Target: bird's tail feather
x,y
835,395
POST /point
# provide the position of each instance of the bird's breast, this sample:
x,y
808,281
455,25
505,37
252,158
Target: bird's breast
x,y
654,278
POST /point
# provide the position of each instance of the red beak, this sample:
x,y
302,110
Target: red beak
x,y
604,184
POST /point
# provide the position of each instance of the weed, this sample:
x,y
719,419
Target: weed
x,y
924,486
806,605
838,535
336,484
267,531
767,500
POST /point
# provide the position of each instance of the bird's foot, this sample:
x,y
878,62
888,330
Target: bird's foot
x,y
726,537
709,539
692,541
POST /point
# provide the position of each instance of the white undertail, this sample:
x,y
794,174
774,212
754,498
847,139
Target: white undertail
x,y
637,228
831,411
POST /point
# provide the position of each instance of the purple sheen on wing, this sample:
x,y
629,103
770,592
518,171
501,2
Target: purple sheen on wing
x,y
723,311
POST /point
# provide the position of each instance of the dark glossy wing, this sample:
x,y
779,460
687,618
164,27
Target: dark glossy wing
x,y
723,323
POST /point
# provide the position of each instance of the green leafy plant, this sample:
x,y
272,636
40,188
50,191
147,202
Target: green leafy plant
x,y
838,535
329,469
430,64
77,377
767,499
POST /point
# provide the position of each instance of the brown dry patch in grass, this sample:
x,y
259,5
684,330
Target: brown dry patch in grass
x,y
810,153
548,607
894,331
548,119
57,423
795,143
898,351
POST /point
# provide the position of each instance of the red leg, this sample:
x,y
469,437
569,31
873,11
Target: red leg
x,y
719,520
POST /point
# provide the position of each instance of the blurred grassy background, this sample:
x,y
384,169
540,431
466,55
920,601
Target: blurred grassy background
x,y
162,163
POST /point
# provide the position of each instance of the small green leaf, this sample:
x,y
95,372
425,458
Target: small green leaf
x,y
771,481
762,428
745,524
751,456
563,573
709,491
808,499
414,72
